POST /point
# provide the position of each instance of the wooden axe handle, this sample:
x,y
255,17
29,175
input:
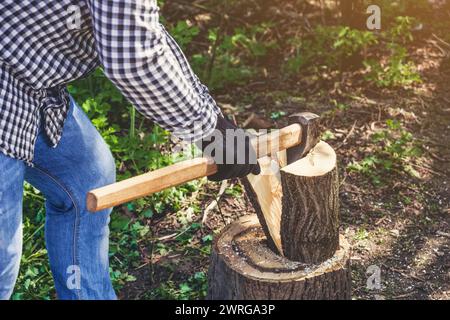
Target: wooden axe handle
x,y
183,172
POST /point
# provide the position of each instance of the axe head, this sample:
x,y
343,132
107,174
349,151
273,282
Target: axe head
x,y
311,134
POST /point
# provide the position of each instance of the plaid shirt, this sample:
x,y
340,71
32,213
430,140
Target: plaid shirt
x,y
46,44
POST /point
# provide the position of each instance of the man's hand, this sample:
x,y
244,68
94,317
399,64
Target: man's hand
x,y
231,150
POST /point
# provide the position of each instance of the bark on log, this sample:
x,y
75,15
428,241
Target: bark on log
x,y
310,207
243,267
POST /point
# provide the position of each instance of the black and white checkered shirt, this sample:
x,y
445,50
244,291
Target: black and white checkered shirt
x,y
45,44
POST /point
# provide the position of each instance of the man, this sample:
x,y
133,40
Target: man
x,y
47,140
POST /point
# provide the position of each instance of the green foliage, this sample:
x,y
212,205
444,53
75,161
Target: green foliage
x,y
126,234
397,71
328,135
235,191
328,47
232,56
350,41
395,150
277,115
194,288
401,30
361,234
252,42
184,34
35,280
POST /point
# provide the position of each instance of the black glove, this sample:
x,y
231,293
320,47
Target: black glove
x,y
219,148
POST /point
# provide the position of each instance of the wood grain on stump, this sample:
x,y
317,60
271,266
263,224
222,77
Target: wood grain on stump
x,y
244,267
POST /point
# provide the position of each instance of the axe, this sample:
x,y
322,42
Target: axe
x,y
298,139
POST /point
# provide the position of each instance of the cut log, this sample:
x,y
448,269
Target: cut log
x,y
298,204
244,267
310,206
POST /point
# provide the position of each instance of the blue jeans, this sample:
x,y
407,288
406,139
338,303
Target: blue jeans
x,y
77,240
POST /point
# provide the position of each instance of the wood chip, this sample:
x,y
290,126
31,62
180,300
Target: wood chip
x,y
380,221
170,236
404,274
228,107
404,295
443,234
215,202
348,135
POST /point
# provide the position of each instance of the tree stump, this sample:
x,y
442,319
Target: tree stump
x,y
295,251
243,267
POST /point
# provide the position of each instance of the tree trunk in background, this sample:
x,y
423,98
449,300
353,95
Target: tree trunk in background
x,y
353,16
353,13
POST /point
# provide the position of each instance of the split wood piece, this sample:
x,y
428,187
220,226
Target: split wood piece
x,y
264,192
298,204
244,268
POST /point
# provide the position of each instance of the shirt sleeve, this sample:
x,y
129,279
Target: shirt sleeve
x,y
146,64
